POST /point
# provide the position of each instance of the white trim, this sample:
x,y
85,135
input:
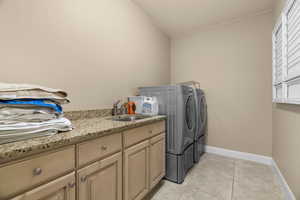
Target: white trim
x,y
239,155
289,195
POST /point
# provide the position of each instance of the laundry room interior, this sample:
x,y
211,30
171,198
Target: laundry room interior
x,y
156,100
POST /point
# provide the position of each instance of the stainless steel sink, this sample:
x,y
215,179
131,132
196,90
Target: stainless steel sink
x,y
129,118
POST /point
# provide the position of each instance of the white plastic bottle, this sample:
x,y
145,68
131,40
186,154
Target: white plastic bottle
x,y
150,106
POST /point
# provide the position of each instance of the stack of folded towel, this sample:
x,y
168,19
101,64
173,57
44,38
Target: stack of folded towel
x,y
28,111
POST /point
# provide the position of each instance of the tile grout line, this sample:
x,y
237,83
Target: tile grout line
x,y
233,181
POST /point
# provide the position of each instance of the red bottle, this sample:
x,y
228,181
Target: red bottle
x,y
131,108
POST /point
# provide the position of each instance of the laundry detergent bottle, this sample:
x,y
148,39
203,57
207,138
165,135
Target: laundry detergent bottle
x,y
150,106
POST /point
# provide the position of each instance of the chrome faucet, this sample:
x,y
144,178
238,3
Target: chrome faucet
x,y
115,109
119,110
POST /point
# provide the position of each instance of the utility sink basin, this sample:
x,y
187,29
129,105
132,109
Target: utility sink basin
x,y
129,118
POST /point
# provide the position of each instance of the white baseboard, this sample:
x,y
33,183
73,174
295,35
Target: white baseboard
x,y
289,195
255,158
239,155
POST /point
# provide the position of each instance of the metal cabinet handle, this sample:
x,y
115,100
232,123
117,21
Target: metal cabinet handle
x,y
72,185
104,148
37,171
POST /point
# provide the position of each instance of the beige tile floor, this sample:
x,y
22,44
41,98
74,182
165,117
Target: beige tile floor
x,y
222,178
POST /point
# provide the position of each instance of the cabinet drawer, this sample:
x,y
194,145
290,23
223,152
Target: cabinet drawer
x,y
96,149
157,128
137,135
26,174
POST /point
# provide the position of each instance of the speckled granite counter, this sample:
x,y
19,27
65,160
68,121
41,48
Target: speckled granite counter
x,y
84,129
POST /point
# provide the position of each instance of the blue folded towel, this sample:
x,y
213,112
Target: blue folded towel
x,y
34,102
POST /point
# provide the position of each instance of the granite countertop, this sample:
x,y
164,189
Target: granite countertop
x,y
84,129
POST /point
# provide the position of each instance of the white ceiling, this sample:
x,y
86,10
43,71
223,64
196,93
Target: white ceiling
x,y
182,16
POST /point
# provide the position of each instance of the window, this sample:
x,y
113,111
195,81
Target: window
x,y
286,55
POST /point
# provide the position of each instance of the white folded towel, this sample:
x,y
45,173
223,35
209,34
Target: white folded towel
x,y
12,115
22,131
33,94
60,124
24,121
6,87
26,91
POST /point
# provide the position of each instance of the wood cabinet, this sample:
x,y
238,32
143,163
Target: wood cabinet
x,y
144,162
101,180
136,171
59,189
157,160
27,174
119,166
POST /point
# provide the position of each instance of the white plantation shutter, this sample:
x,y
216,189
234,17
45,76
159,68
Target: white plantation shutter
x,y
286,55
293,39
278,55
292,23
278,62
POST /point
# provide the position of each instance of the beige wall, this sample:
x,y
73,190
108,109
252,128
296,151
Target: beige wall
x,y
232,63
286,135
97,50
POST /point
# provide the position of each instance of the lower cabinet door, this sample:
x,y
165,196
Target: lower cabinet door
x,y
157,159
59,189
101,180
136,171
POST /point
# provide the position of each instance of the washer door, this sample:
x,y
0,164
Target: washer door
x,y
203,112
190,115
